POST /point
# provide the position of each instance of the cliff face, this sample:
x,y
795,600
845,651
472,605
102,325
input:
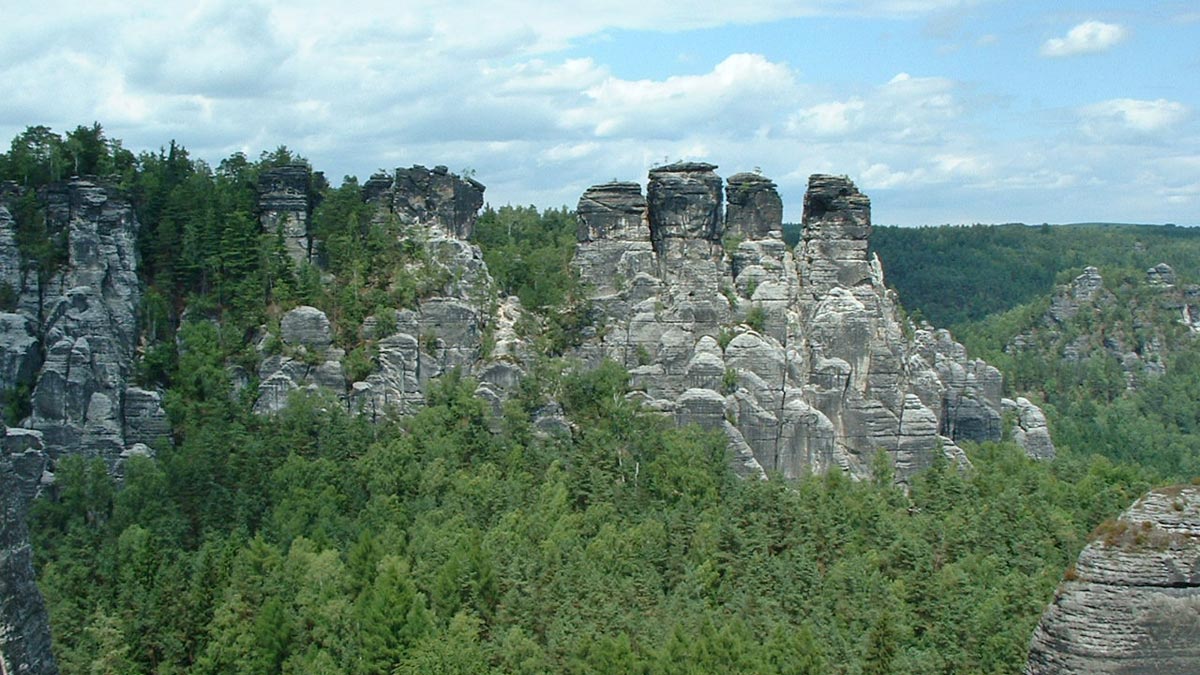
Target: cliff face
x,y
800,357
72,334
1131,604
24,632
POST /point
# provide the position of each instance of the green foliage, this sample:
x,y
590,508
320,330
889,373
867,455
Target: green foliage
x,y
955,275
756,318
318,542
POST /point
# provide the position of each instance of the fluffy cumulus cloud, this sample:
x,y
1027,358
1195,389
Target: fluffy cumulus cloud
x,y
516,95
1088,37
1124,117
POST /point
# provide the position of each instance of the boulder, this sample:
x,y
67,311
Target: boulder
x,y
1131,603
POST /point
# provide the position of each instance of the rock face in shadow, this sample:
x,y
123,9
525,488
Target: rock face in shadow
x,y
24,632
800,358
285,207
1131,604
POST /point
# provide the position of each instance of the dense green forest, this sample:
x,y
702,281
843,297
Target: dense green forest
x,y
955,275
316,542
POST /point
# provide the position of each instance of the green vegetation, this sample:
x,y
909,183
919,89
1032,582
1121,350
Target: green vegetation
x,y
316,542
993,284
955,275
451,542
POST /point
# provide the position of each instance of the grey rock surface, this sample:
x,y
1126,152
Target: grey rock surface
x,y
807,350
306,327
437,197
1131,603
285,207
24,631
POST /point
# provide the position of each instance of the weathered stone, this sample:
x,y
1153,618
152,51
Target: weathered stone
x,y
1161,275
612,211
836,225
88,312
755,210
285,205
685,204
24,630
1131,604
306,327
19,353
1029,428
437,197
1084,290
817,371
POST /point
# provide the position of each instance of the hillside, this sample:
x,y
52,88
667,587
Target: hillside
x,y
300,428
954,275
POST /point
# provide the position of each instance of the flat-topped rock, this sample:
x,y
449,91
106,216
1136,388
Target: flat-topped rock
x,y
614,210
835,228
754,209
684,202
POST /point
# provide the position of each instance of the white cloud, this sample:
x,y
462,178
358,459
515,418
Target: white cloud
x,y
1088,37
740,94
1128,118
906,109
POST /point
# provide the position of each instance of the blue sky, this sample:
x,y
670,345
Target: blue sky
x,y
943,111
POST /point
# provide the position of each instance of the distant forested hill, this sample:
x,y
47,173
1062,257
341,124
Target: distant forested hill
x,y
954,275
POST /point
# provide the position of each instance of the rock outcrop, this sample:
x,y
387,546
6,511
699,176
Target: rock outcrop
x,y
1133,323
801,358
445,331
72,334
285,206
1131,604
24,631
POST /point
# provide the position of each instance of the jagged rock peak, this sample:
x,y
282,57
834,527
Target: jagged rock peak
x,y
835,228
615,210
1086,288
754,209
684,201
1131,604
437,197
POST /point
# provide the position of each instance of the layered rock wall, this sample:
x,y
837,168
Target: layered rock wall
x,y
1131,604
285,207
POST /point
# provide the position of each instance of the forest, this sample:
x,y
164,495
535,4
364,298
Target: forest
x,y
314,541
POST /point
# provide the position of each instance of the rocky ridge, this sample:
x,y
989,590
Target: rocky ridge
x,y
445,331
1131,604
1153,316
800,357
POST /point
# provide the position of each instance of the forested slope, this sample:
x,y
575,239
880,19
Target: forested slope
x,y
453,541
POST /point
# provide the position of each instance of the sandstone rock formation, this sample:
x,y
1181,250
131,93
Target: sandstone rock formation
x,y
1131,604
71,335
285,205
24,632
444,332
800,358
1137,339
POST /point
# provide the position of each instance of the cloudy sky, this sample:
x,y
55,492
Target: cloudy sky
x,y
944,111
